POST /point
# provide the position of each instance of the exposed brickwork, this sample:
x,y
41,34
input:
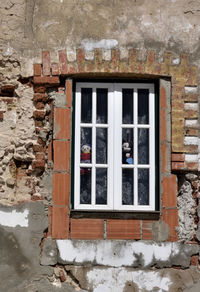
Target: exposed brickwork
x,y
87,228
183,76
123,229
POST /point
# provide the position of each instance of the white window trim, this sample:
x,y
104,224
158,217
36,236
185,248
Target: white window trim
x,y
114,195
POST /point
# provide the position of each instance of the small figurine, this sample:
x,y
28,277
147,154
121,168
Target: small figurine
x,y
86,153
127,153
127,150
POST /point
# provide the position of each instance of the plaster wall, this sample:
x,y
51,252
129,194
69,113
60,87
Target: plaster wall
x,y
27,28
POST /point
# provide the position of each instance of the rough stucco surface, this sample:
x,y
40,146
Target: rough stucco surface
x,y
26,28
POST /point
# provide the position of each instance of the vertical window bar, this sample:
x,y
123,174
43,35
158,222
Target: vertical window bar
x,y
135,148
94,146
152,147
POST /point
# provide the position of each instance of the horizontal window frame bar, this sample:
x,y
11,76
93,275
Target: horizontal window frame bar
x,y
113,214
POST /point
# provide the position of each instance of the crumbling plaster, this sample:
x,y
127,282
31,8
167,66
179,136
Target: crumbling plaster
x,y
27,27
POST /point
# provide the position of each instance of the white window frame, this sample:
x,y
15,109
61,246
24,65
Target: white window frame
x,y
114,142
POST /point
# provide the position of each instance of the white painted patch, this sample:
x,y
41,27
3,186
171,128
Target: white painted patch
x,y
124,53
190,89
13,219
176,61
71,55
114,280
89,55
191,123
191,140
106,55
191,106
191,157
8,51
90,44
115,253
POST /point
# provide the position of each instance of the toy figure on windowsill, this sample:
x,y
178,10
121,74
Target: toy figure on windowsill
x,y
127,150
85,157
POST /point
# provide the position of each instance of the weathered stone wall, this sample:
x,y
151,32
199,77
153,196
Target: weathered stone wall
x,y
30,260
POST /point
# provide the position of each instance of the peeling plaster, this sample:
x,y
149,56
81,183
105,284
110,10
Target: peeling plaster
x,y
13,219
108,280
123,253
89,44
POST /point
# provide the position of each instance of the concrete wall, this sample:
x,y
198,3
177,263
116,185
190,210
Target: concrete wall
x,y
30,260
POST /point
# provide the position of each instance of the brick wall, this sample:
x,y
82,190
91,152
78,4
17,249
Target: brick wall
x,y
177,153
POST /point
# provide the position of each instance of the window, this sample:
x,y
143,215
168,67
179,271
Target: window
x,y
114,146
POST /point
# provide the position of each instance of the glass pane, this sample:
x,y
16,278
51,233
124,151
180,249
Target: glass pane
x,y
86,105
102,105
143,186
127,146
85,185
143,146
101,186
86,145
143,106
127,106
101,145
127,186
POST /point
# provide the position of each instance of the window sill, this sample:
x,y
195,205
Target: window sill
x,y
141,215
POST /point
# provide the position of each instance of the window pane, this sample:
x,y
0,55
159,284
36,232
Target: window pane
x,y
143,146
102,105
86,105
143,186
101,145
127,186
101,186
86,145
143,106
85,185
127,146
127,106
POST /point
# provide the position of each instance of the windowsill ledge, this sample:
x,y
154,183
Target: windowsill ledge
x,y
141,215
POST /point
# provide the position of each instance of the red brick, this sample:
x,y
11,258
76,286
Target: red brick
x,y
37,68
177,165
38,148
54,80
80,60
55,69
50,152
39,89
39,114
1,116
163,135
39,105
42,97
191,165
46,63
61,155
150,57
170,216
178,157
87,228
164,157
38,164
60,222
68,85
194,260
115,59
123,229
61,188
63,61
147,229
170,191
40,156
62,123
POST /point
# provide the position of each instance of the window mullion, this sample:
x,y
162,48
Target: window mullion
x,y
135,148
93,146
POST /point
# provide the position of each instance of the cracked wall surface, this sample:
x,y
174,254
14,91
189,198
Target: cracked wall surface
x,y
30,260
